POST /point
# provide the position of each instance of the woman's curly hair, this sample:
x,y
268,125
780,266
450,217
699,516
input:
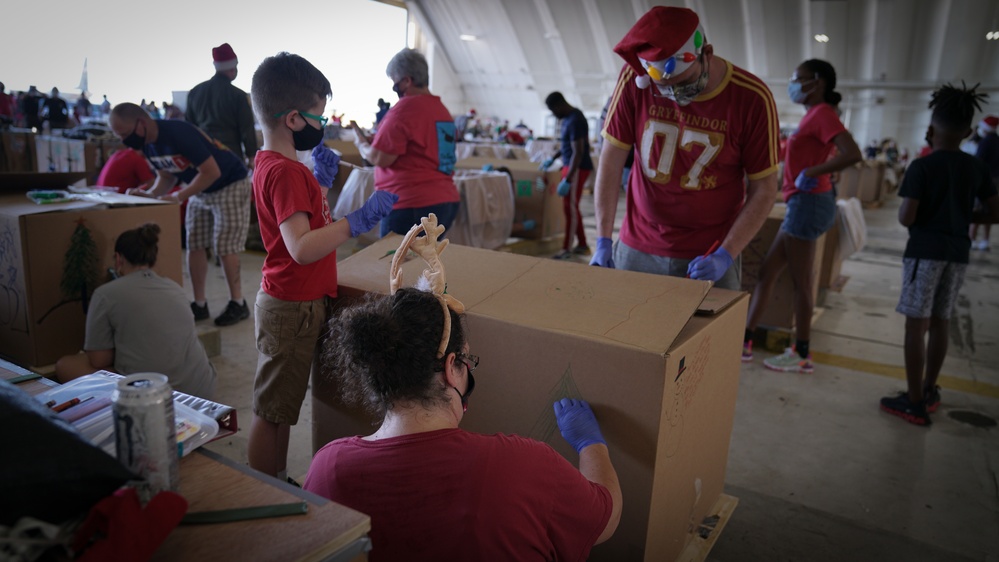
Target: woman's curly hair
x,y
384,350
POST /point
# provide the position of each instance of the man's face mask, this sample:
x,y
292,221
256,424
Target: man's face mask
x,y
133,140
683,94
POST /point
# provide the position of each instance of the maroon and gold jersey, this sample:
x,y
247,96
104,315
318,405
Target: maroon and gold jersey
x,y
688,182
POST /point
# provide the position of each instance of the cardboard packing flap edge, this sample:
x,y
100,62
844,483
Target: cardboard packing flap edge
x,y
514,277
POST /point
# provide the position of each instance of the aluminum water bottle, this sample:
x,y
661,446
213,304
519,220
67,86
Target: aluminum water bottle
x,y
145,433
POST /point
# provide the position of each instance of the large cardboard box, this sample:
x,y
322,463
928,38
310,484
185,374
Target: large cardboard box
x,y
662,380
38,323
779,312
849,181
534,195
832,257
18,151
871,186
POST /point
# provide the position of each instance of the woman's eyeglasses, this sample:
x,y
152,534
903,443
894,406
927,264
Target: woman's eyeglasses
x,y
470,361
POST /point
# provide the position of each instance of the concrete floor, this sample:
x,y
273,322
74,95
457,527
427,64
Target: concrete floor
x,y
820,473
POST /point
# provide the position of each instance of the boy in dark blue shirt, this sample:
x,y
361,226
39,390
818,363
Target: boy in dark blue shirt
x,y
938,193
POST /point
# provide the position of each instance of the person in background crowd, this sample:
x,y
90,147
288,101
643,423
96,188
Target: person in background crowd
x,y
987,151
82,107
217,190
105,106
223,110
171,111
383,107
819,147
413,150
8,105
55,111
461,124
31,106
938,197
701,130
576,168
140,322
872,150
433,490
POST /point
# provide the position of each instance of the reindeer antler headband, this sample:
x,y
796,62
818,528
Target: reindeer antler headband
x,y
433,278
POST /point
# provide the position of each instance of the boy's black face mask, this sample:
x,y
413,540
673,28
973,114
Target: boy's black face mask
x,y
308,138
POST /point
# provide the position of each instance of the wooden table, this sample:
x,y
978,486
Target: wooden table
x,y
209,482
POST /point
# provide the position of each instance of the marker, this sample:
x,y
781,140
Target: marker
x,y
65,405
710,251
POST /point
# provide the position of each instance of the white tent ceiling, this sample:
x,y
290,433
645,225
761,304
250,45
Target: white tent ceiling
x,y
889,54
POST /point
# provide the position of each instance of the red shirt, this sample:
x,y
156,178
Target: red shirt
x,y
7,104
691,162
811,144
420,130
125,169
281,188
455,495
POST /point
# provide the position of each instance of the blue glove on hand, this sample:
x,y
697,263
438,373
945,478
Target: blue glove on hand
x,y
487,168
604,256
529,224
577,423
564,187
805,183
377,207
544,165
327,163
710,268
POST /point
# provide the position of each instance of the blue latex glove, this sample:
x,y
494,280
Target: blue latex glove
x,y
377,207
529,224
564,187
487,168
604,256
710,268
544,165
805,183
577,423
327,163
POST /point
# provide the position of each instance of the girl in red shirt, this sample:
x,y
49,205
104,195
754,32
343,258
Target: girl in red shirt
x,y
811,206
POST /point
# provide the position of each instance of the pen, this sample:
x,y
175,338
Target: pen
x,y
710,251
66,404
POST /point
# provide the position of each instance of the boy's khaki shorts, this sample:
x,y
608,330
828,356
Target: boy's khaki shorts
x,y
288,342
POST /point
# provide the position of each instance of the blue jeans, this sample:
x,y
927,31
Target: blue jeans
x,y
401,220
626,257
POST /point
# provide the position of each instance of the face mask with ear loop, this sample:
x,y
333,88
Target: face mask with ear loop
x,y
685,93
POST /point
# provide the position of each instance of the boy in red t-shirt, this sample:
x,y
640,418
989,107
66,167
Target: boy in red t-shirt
x,y
299,273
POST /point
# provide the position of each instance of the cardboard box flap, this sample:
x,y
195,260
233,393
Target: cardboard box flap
x,y
590,301
470,278
18,205
717,300
570,298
